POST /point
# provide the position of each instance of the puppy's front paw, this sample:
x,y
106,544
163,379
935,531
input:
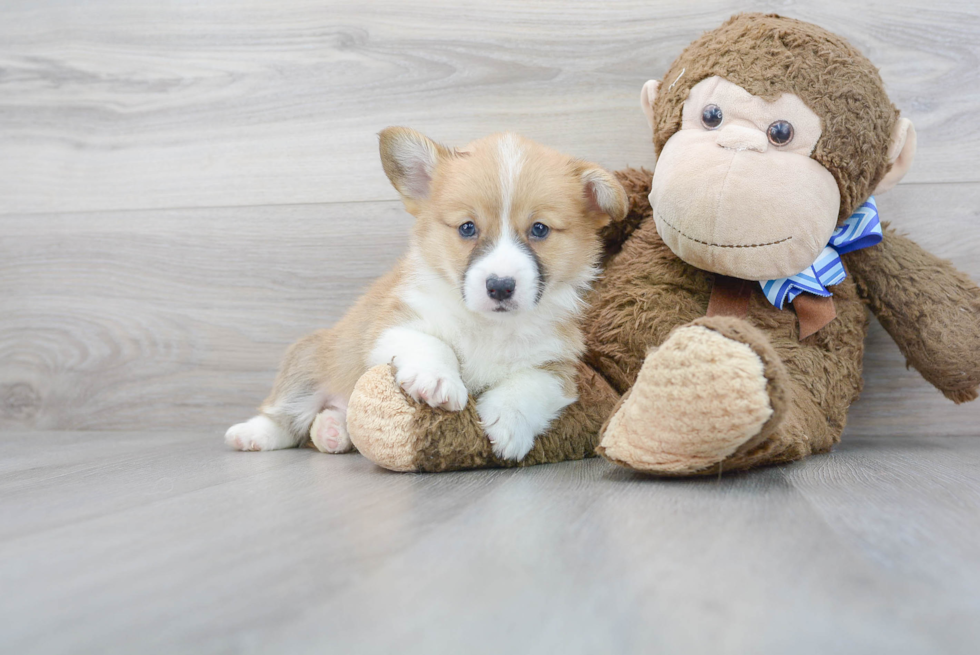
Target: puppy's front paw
x,y
508,430
441,389
258,433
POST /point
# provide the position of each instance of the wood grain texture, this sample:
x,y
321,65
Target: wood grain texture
x,y
168,542
110,104
187,187
159,319
171,319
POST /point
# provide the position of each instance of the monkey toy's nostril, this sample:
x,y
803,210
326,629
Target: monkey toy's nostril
x,y
500,288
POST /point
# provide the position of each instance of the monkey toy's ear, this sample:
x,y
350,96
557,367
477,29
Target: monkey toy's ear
x,y
647,96
900,155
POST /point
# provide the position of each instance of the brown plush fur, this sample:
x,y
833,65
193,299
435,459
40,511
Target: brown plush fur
x,y
434,440
647,292
930,309
768,55
615,233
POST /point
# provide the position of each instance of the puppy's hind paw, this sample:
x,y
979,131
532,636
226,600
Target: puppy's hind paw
x,y
259,433
329,432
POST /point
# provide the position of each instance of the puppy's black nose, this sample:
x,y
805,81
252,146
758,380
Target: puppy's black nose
x,y
500,288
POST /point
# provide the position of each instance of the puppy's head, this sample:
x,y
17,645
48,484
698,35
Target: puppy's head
x,y
505,220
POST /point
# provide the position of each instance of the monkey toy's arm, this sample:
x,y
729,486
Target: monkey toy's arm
x,y
636,182
929,308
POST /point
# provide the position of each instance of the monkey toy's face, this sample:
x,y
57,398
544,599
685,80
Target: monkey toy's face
x,y
735,190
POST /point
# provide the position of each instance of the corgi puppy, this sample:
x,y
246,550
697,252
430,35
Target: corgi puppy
x,y
486,302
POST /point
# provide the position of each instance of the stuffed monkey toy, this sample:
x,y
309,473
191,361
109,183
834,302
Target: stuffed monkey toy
x,y
727,329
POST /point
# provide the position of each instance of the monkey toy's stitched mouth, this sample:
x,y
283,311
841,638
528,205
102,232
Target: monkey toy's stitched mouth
x,y
660,217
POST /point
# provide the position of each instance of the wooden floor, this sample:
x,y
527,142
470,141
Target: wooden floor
x,y
115,542
188,187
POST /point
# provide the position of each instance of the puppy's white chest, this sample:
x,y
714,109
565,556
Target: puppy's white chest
x,y
489,349
490,354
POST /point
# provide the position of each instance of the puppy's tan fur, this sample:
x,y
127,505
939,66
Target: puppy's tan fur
x,y
504,184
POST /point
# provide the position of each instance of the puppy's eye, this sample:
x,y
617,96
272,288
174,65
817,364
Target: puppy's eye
x,y
780,133
711,116
467,230
539,231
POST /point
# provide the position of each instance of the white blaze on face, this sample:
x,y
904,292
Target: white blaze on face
x,y
506,257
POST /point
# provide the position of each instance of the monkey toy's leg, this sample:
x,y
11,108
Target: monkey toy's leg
x,y
399,434
717,395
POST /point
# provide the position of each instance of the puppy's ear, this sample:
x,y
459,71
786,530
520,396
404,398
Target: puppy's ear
x,y
604,194
410,159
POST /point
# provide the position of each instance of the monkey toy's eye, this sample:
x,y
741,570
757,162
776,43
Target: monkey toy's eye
x,y
711,116
539,231
467,230
780,133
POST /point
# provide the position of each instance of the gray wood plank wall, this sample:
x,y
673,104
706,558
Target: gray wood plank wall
x,y
185,188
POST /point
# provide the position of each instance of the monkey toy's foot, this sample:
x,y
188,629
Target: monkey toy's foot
x,y
381,420
715,387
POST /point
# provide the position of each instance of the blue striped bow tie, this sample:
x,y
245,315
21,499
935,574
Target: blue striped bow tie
x,y
862,229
